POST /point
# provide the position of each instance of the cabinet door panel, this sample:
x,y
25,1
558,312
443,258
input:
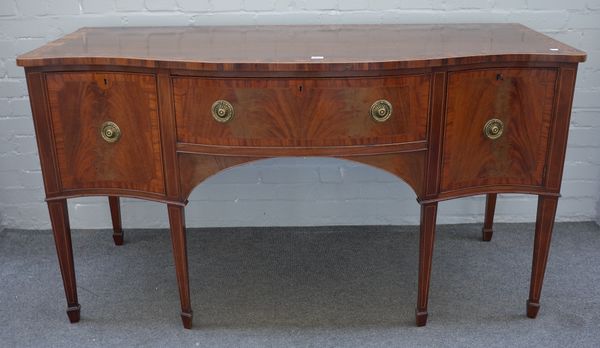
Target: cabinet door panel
x,y
522,100
80,103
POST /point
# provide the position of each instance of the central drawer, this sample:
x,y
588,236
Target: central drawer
x,y
301,112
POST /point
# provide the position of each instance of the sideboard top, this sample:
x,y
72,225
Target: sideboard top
x,y
360,47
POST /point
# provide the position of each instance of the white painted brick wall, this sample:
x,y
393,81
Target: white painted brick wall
x,y
290,191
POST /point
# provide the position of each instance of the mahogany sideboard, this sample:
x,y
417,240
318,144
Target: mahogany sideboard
x,y
453,110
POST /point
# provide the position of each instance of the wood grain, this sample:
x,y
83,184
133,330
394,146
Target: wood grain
x,y
301,112
560,128
115,214
518,157
435,136
168,134
291,48
195,168
80,103
179,241
541,249
42,122
59,217
444,81
488,222
426,241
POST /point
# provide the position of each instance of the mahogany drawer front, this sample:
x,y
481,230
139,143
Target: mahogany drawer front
x,y
516,105
301,112
80,105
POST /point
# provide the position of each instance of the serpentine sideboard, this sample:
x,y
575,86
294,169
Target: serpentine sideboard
x,y
453,110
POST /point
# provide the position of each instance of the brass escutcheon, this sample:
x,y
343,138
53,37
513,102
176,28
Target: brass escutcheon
x,y
222,111
110,132
381,110
493,128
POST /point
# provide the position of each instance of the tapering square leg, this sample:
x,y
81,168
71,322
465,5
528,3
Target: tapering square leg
x,y
59,217
426,240
115,214
178,238
546,213
490,207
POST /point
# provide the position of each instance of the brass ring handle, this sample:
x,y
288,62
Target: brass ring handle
x,y
222,111
381,110
493,128
110,132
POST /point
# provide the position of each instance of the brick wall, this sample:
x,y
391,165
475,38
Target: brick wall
x,y
290,191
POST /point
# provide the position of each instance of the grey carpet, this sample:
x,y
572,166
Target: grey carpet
x,y
303,287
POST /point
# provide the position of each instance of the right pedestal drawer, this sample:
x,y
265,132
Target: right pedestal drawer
x,y
497,127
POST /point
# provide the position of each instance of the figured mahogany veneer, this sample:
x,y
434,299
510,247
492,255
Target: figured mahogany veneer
x,y
476,109
470,159
308,112
84,159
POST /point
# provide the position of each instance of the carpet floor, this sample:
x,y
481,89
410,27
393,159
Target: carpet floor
x,y
343,286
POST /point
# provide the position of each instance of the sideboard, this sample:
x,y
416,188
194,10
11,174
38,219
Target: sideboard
x,y
452,110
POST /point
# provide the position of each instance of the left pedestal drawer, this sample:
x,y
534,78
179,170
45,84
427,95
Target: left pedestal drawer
x,y
106,130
